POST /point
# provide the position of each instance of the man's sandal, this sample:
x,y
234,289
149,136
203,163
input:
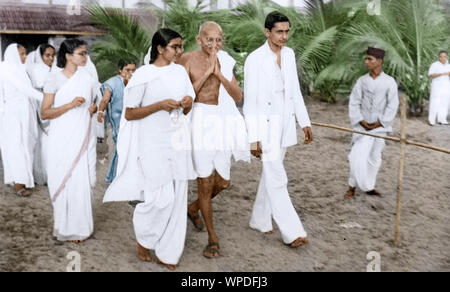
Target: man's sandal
x,y
374,193
212,248
196,220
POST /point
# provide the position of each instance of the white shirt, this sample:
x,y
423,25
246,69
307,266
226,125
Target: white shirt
x,y
437,68
374,100
272,95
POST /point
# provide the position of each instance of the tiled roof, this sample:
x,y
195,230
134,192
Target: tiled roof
x,y
40,18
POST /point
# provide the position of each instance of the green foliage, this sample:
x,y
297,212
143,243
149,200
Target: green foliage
x,y
411,31
125,39
330,39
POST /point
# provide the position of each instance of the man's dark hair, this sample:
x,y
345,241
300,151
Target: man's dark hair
x,y
122,63
67,47
273,18
443,52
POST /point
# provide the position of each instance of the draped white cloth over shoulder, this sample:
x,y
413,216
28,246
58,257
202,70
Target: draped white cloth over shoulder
x,y
39,72
71,160
155,160
18,121
129,182
235,130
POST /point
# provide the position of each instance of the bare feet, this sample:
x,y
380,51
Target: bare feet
x,y
374,193
143,253
211,250
170,267
270,232
75,241
21,191
299,242
350,193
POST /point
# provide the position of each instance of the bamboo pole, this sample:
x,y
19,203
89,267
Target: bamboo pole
x,y
395,139
401,168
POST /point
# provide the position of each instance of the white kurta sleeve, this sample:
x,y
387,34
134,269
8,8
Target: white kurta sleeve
x,y
433,69
133,96
299,104
250,108
391,105
354,105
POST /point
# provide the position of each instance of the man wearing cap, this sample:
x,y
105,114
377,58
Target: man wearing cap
x,y
372,107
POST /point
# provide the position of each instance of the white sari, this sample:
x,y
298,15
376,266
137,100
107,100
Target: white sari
x,y
38,72
18,122
71,165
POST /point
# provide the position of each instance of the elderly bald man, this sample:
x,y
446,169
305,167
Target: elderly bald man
x,y
210,74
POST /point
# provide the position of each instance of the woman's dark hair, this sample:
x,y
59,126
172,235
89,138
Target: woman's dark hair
x,y
273,18
443,52
67,47
122,63
44,47
162,37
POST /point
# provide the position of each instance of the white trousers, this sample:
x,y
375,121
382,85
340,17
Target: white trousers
x,y
273,201
439,106
365,161
160,222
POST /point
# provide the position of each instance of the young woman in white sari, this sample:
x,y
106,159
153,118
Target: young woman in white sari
x,y
69,105
155,160
18,124
39,64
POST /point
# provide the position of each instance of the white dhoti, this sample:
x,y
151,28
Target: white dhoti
x,y
208,142
160,222
273,201
155,161
365,161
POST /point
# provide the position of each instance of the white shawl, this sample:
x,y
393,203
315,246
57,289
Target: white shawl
x,y
235,130
129,181
37,69
13,72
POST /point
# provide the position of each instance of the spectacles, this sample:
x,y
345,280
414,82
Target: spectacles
x,y
84,53
211,40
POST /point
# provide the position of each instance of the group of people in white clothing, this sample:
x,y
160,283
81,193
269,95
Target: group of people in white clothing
x,y
176,120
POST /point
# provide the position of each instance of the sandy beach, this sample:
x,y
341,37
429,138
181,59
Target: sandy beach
x,y
318,176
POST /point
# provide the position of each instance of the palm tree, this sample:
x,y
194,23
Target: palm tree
x,y
411,31
125,38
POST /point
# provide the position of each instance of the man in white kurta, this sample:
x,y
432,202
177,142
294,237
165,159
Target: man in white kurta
x,y
18,122
272,102
440,90
372,107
